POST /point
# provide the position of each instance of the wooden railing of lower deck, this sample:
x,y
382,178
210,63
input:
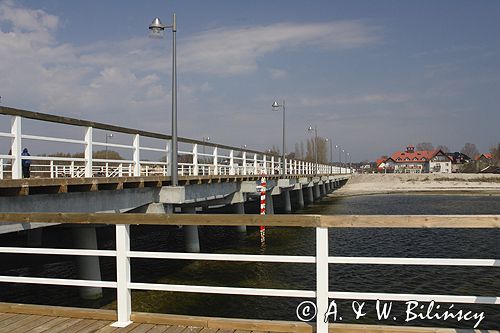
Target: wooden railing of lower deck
x,y
124,284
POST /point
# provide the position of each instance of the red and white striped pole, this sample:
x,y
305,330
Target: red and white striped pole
x,y
263,207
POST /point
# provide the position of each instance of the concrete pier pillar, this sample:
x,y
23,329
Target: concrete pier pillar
x,y
239,208
300,199
327,187
87,266
309,199
35,237
316,192
322,189
191,236
157,208
287,204
269,204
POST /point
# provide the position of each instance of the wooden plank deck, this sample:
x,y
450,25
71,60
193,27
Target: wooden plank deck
x,y
25,323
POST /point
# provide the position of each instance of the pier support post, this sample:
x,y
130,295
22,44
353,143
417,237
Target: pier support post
x,y
322,189
287,204
35,237
327,187
239,208
87,266
316,192
191,232
309,199
300,199
269,203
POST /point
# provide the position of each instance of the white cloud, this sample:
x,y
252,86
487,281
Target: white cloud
x,y
376,98
276,73
232,50
100,81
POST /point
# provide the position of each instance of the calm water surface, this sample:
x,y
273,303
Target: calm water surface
x,y
435,243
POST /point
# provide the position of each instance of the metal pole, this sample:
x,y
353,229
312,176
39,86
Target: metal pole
x,y
331,157
340,159
316,149
174,175
283,154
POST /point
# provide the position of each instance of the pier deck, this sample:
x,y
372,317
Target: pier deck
x,y
11,322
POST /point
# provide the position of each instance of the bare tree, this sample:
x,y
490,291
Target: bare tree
x,y
470,150
444,148
425,146
495,151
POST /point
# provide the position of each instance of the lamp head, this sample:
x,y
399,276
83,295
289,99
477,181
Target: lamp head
x,y
275,106
156,28
310,128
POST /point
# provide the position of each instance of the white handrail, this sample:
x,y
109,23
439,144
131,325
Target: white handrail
x,y
124,283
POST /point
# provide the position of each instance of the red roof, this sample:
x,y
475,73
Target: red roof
x,y
414,156
488,156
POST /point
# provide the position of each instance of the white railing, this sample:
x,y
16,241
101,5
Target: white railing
x,y
124,284
196,158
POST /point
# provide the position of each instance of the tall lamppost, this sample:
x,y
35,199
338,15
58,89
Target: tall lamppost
x,y
276,106
157,28
331,155
205,139
345,159
315,147
110,135
340,159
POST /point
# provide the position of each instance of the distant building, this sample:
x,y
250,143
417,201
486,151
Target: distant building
x,y
486,157
458,160
420,161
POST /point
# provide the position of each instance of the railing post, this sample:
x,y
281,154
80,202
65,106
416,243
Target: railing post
x,y
244,159
72,169
120,170
88,152
264,164
195,159
272,164
168,148
51,163
231,163
16,148
123,297
255,164
216,162
1,168
321,279
137,156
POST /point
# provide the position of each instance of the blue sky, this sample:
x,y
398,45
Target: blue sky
x,y
373,76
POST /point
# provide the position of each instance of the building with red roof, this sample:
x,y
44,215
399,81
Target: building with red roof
x,y
416,161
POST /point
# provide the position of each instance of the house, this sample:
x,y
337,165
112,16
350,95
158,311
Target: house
x,y
486,157
458,160
385,164
421,161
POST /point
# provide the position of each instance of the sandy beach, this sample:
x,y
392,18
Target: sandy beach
x,y
365,184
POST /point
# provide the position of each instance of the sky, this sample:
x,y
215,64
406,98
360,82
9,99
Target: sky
x,y
372,76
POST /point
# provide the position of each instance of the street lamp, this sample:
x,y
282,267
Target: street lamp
x,y
157,28
345,160
315,147
205,139
331,155
340,159
110,135
276,106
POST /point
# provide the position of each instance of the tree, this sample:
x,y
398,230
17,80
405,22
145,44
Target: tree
x,y
444,148
470,150
425,146
495,151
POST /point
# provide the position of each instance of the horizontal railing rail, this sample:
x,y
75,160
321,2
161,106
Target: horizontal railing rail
x,y
322,259
192,155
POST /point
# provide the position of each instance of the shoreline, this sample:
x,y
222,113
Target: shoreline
x,y
435,184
